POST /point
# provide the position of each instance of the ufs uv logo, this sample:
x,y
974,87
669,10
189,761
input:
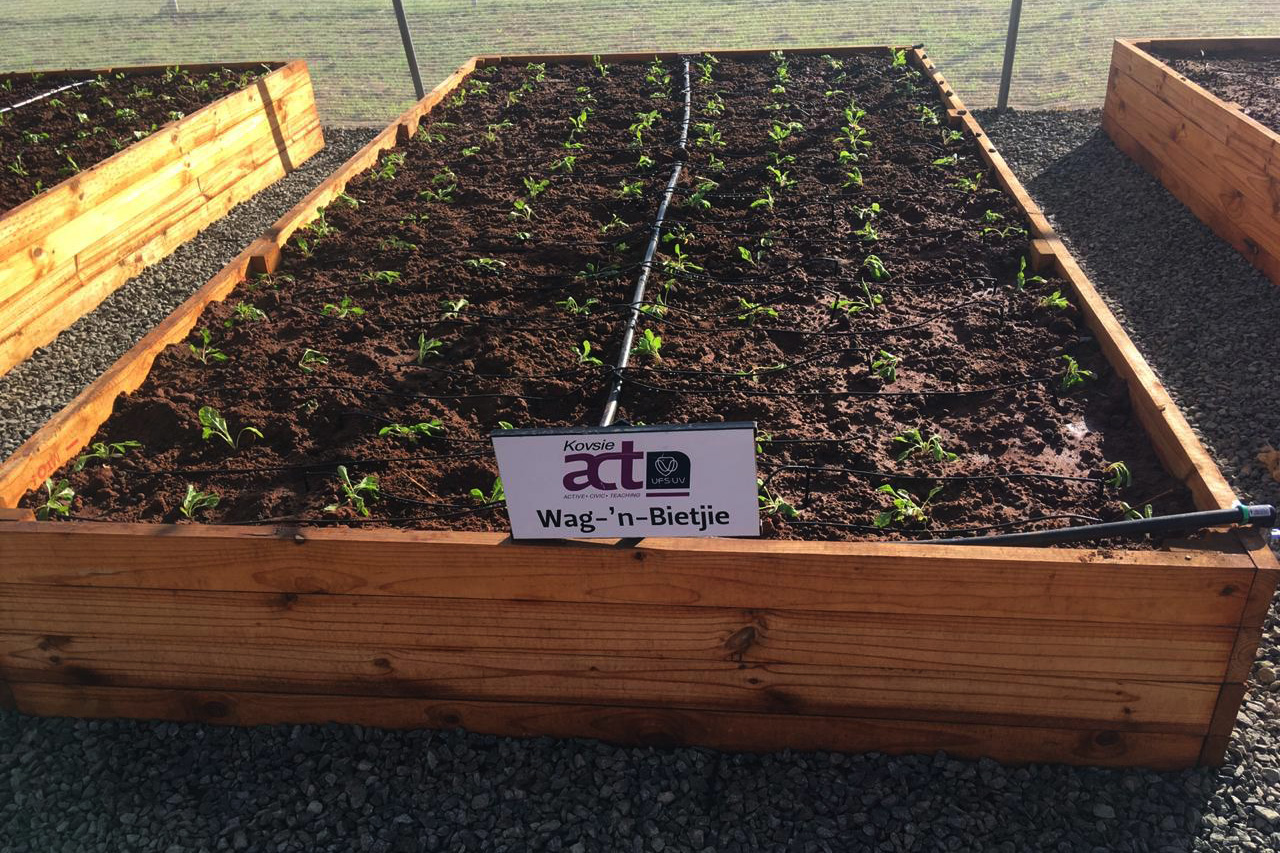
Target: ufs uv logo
x,y
666,473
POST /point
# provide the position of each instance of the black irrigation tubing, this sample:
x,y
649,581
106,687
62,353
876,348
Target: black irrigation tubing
x,y
637,298
1067,516
305,521
311,467
413,395
784,468
928,392
828,280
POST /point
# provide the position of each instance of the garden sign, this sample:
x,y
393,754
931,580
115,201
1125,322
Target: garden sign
x,y
679,480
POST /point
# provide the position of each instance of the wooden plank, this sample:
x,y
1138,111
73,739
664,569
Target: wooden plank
x,y
1187,588
532,675
1193,45
862,641
654,727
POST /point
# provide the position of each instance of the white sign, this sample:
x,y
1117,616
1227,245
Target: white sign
x,y
686,480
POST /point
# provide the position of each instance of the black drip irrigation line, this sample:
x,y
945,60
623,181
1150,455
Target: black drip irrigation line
x,y
781,468
646,266
11,107
1257,515
871,528
924,392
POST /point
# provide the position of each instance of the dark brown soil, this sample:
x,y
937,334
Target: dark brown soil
x,y
980,365
54,138
1250,80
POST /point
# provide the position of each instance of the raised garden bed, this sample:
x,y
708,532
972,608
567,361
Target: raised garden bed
x,y
1203,116
120,167
1111,656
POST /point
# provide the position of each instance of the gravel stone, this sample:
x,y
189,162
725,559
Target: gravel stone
x,y
1200,314
39,387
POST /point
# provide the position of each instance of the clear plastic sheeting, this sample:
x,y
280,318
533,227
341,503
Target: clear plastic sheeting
x,y
361,77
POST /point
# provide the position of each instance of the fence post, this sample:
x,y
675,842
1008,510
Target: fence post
x,y
1010,45
409,53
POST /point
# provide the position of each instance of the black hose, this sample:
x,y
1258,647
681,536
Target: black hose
x,y
1257,515
646,266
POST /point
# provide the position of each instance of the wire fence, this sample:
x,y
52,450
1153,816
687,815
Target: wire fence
x,y
361,77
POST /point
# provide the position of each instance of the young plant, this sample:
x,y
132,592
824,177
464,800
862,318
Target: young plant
x,y
106,451
867,302
899,58
914,442
1073,375
780,133
906,509
311,359
196,501
781,178
58,498
565,163
453,308
852,178
714,105
205,353
698,198
927,115
491,266
1054,300
496,493
968,185
212,423
396,244
631,189
413,432
886,366
771,504
244,313
679,262
573,306
766,200
1135,514
649,344
584,355
1118,475
428,347
387,170
1023,279
876,267
752,310
357,495
521,209
535,188
343,309
600,67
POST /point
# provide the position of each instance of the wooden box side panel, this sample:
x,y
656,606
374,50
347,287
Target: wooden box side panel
x,y
1220,163
64,251
1175,443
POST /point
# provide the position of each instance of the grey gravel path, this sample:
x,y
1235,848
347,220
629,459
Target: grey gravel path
x,y
1201,316
38,388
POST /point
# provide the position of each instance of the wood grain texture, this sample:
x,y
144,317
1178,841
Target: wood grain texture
x,y
1184,588
1222,164
63,252
653,727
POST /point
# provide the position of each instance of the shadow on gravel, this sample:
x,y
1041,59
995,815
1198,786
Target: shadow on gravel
x,y
80,785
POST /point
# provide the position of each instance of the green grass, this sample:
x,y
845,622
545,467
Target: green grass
x,y
354,50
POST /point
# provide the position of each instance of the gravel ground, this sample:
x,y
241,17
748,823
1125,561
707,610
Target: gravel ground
x,y
38,388
1199,313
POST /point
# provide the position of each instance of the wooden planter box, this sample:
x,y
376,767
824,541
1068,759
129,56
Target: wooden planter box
x,y
1219,162
1067,654
65,250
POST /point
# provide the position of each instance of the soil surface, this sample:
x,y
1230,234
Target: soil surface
x,y
786,315
54,138
1247,79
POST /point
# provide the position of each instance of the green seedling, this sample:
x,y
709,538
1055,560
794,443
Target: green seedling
x,y
535,188
196,501
304,247
600,67
413,432
714,105
357,495
867,302
320,226
1118,475
968,185
491,130
343,309
17,167
212,423
496,493
899,58
948,160
852,177
573,306
771,504
312,359
244,313
649,344
1135,514
106,451
781,178
1023,279
347,201
386,171
453,308
950,136
614,224
1054,300
537,71
762,438
753,373
927,115
58,498
396,244
714,163
428,347
205,353
1073,375
914,442
471,151
886,366
584,354
578,123
780,133
876,268
521,209
655,309
491,266
753,310
632,189
1006,232
679,262
698,198
127,114
757,257
706,65
506,425
565,163
439,194
906,509
766,200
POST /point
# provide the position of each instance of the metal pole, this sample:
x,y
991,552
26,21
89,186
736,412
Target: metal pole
x,y
1010,45
408,49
